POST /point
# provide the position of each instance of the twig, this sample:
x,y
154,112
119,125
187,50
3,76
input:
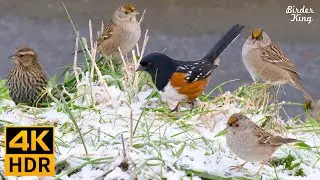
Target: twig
x,y
68,111
123,147
101,80
135,81
65,91
123,60
138,52
146,38
74,29
125,68
142,16
90,34
163,50
75,69
91,45
131,122
102,27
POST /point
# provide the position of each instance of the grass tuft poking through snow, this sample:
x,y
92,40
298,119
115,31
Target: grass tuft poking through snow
x,y
185,144
116,127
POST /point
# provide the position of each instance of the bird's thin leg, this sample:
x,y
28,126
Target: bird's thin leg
x,y
260,169
275,94
176,108
193,103
276,102
239,167
278,89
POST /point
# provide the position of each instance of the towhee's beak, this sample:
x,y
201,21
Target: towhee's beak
x,y
140,68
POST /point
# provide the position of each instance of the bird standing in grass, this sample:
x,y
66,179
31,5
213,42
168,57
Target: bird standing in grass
x,y
185,80
250,142
267,63
123,31
26,80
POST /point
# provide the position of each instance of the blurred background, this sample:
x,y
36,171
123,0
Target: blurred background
x,y
186,29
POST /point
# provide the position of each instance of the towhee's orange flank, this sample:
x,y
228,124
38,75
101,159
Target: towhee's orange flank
x,y
185,80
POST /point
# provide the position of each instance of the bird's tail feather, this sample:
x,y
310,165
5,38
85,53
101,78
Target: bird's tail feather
x,y
309,104
224,42
290,140
277,140
306,95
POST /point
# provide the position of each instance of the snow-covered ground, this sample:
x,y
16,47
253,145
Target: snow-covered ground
x,y
179,145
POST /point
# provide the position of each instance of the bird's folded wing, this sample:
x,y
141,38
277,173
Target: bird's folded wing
x,y
262,135
274,55
195,70
107,33
266,138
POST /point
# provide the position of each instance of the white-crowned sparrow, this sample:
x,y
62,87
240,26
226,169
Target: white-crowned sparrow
x,y
26,79
250,142
123,31
267,63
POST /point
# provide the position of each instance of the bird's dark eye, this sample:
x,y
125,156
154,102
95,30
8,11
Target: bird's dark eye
x,y
20,55
146,64
237,125
126,12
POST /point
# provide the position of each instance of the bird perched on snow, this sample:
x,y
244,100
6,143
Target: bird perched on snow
x,y
250,142
27,79
185,80
267,63
123,31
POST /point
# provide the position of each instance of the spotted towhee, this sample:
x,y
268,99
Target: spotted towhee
x,y
185,80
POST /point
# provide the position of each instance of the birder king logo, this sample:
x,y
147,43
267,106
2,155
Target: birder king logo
x,y
302,14
29,151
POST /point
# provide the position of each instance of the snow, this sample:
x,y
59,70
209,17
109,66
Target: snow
x,y
165,145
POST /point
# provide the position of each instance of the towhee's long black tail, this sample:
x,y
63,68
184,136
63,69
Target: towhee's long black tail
x,y
223,43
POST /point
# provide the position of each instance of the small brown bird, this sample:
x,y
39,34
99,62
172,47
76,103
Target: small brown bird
x,y
266,62
250,142
26,80
123,31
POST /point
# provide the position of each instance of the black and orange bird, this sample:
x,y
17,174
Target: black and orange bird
x,y
184,81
